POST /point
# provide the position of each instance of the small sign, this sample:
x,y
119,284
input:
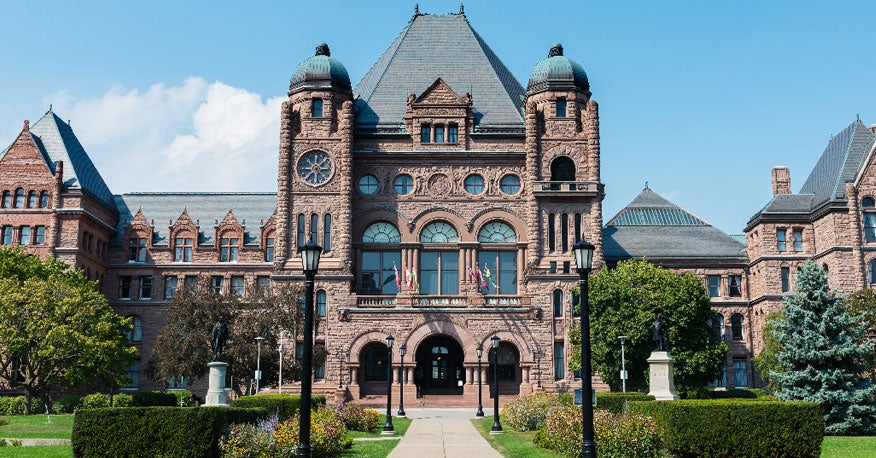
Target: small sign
x,y
623,375
258,375
578,396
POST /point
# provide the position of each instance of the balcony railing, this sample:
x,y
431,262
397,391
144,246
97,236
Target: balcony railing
x,y
435,301
501,301
375,301
441,301
565,187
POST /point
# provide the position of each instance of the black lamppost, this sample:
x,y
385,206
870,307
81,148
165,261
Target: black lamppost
x,y
401,381
497,427
258,372
480,351
584,262
310,263
388,428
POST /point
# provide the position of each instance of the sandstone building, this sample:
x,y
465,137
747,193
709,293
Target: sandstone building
x,y
446,197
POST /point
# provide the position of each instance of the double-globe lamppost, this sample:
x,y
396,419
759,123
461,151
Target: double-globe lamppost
x,y
497,427
480,351
401,381
388,429
258,372
584,262
310,253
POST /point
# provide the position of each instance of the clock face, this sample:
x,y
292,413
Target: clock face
x,y
496,232
439,233
315,168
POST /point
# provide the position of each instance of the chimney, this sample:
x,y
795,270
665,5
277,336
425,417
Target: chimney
x,y
781,180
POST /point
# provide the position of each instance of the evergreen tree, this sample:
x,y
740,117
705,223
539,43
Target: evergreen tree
x,y
822,355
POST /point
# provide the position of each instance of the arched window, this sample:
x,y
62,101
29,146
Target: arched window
x,y
564,232
871,272
497,232
19,198
737,330
375,364
718,325
321,303
558,302
31,199
44,199
439,232
136,333
552,236
562,169
314,227
506,363
327,233
7,200
381,233
379,268
300,230
868,205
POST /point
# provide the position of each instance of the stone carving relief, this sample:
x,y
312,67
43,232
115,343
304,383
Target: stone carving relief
x,y
440,185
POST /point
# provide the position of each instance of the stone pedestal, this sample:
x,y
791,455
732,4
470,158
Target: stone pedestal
x,y
216,394
661,384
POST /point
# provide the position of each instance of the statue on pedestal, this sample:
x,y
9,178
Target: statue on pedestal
x,y
658,333
218,338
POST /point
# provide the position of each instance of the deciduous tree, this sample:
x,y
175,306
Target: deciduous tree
x,y
56,329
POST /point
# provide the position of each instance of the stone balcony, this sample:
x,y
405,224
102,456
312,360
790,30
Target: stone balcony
x,y
566,188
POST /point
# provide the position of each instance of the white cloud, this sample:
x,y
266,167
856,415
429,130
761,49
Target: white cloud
x,y
192,137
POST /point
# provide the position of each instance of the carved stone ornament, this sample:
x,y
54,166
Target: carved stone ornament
x,y
440,184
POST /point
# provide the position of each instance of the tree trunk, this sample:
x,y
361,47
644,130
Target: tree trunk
x,y
27,396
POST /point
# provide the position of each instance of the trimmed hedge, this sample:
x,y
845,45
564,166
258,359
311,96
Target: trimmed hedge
x,y
615,402
284,405
154,399
733,393
14,405
727,428
155,431
66,404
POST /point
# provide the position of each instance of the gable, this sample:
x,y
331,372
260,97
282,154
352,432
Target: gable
x,y
24,154
439,93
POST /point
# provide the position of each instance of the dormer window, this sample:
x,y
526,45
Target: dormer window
x,y
452,134
425,133
182,249
869,216
44,199
316,108
269,249
439,134
19,198
137,249
561,108
228,249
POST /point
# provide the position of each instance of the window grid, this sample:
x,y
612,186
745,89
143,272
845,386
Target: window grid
x,y
182,249
228,249
137,249
170,284
781,235
145,289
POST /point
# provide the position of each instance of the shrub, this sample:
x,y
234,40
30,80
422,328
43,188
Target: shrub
x,y
155,431
184,398
733,393
615,402
618,435
154,399
530,412
122,400
95,401
719,428
284,405
274,438
14,405
358,418
66,404
4,421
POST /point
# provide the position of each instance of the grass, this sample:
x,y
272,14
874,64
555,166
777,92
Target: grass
x,y
848,447
40,451
400,424
36,427
368,449
512,443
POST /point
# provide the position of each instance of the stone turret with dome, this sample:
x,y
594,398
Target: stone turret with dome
x,y
557,72
320,72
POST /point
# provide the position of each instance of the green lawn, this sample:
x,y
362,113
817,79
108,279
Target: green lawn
x,y
848,447
47,451
36,427
512,443
400,425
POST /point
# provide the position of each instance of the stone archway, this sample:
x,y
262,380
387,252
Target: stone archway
x,y
439,366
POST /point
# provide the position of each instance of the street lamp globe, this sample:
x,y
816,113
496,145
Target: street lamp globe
x,y
310,253
583,255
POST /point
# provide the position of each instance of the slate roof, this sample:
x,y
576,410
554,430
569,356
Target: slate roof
x,y
839,163
251,209
655,228
432,47
57,142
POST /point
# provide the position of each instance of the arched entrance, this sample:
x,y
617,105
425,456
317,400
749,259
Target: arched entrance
x,y
507,368
439,366
372,369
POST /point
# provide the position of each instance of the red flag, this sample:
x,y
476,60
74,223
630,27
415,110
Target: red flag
x,y
409,279
481,277
474,277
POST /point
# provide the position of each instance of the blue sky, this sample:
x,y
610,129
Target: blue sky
x,y
700,99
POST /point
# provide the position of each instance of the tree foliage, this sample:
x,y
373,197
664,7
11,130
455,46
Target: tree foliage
x,y
182,347
626,300
56,329
766,362
822,355
863,303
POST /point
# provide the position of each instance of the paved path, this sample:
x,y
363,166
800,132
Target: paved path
x,y
443,433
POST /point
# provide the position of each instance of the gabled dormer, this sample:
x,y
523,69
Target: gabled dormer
x,y
183,237
268,237
138,237
228,237
439,118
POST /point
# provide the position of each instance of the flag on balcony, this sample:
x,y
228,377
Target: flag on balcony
x,y
489,276
397,277
474,277
409,279
481,277
416,282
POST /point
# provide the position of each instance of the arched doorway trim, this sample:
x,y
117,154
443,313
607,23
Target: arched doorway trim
x,y
523,349
447,328
363,340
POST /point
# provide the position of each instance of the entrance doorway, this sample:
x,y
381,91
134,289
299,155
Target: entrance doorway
x,y
439,366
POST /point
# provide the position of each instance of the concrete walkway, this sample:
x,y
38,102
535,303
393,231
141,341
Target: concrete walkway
x,y
443,433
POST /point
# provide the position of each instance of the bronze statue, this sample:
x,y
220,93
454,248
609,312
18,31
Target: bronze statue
x,y
218,338
658,333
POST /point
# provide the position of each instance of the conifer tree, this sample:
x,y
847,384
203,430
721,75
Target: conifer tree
x,y
822,355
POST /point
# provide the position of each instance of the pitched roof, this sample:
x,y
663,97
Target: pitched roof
x,y
655,228
207,209
432,47
839,163
57,142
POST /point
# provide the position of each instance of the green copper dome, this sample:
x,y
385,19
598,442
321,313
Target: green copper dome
x,y
319,72
557,72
